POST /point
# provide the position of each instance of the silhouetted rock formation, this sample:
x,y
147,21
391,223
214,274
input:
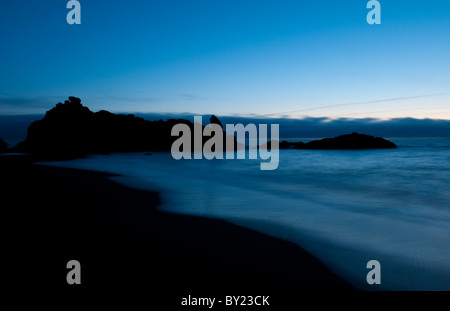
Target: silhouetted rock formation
x,y
3,146
71,128
352,141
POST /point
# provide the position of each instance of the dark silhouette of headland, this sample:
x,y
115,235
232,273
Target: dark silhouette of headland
x,y
71,128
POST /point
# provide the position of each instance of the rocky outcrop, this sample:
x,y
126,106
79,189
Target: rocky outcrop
x,y
352,141
72,128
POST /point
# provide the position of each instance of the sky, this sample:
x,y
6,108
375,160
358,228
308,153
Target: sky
x,y
291,59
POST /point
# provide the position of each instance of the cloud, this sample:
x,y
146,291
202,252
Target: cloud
x,y
325,127
26,105
377,101
132,99
189,97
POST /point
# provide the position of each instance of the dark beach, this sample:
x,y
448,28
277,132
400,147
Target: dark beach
x,y
123,242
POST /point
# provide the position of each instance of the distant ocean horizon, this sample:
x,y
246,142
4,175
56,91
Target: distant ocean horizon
x,y
345,207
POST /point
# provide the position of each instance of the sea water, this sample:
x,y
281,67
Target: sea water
x,y
345,207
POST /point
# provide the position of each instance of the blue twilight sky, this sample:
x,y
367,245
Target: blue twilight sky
x,y
228,57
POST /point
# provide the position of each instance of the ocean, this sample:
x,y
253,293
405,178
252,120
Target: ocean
x,y
344,207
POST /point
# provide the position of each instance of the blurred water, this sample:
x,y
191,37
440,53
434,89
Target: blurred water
x,y
345,207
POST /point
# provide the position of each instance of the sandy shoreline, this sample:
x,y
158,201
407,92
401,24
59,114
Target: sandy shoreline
x,y
123,241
